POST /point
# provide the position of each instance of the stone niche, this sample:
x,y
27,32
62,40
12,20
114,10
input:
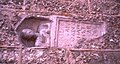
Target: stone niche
x,y
28,30
64,32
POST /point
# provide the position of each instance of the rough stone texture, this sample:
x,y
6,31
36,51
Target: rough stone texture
x,y
95,11
9,55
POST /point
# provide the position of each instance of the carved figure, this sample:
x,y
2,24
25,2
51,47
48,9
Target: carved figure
x,y
28,37
43,36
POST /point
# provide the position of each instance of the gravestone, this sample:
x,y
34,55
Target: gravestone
x,y
60,31
70,32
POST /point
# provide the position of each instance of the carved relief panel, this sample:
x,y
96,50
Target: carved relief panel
x,y
57,31
70,32
34,31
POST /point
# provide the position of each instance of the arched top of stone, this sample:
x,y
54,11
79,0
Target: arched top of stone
x,y
31,22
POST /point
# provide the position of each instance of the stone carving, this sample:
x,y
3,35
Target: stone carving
x,y
28,37
34,31
70,32
61,32
43,35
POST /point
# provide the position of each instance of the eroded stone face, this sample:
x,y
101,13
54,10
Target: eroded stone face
x,y
71,32
34,31
63,31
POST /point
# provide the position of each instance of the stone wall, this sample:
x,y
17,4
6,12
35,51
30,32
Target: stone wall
x,y
12,11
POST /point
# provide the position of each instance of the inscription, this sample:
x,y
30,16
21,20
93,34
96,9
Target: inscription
x,y
70,32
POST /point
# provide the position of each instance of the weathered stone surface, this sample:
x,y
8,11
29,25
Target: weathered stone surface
x,y
71,33
12,11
